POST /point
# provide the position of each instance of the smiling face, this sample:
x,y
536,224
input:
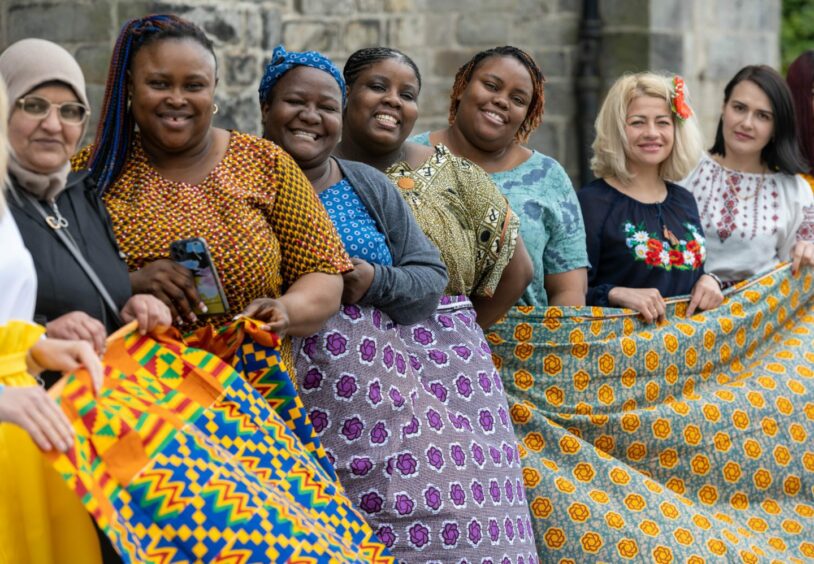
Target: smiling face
x,y
495,102
382,105
748,120
650,132
172,84
303,115
44,145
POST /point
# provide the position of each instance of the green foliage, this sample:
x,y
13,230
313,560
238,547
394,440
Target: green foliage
x,y
797,31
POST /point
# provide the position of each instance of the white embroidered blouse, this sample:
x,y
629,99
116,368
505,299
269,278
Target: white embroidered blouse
x,y
751,221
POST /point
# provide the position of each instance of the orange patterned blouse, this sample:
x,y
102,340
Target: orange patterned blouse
x,y
258,213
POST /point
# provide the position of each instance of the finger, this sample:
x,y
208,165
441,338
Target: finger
x,y
797,258
29,424
646,312
87,358
98,334
182,304
251,310
53,423
695,298
186,281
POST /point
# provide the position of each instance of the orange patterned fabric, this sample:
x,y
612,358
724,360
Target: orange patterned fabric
x,y
256,210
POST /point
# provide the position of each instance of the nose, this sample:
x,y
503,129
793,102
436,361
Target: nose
x,y
309,115
176,98
51,121
392,98
501,102
747,120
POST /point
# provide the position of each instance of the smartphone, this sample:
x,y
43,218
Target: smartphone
x,y
194,255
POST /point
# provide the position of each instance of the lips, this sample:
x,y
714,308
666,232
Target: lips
x,y
650,147
174,120
302,134
495,117
740,136
388,121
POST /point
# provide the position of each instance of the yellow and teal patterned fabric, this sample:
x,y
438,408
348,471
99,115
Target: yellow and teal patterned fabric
x,y
692,441
179,459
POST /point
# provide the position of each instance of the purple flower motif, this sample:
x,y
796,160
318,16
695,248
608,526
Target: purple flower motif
x,y
463,352
346,387
319,419
463,318
404,504
435,458
463,422
487,422
386,535
309,345
352,312
458,455
419,535
438,357
371,502
485,382
389,467
388,356
495,454
504,417
312,380
494,491
336,344
422,336
361,466
377,318
509,490
520,490
509,527
498,381
401,364
457,494
484,347
411,428
521,530
374,392
367,350
407,464
439,391
445,321
494,530
477,493
464,386
434,419
506,560
450,534
474,532
477,454
432,497
379,434
396,398
352,428
508,450
415,363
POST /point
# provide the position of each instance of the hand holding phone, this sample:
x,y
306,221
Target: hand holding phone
x,y
194,255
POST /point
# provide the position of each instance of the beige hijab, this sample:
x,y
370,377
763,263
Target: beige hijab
x,y
24,66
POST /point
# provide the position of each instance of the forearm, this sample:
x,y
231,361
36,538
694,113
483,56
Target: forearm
x,y
573,297
311,301
408,294
516,277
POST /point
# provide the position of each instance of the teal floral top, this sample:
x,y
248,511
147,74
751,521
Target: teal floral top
x,y
540,193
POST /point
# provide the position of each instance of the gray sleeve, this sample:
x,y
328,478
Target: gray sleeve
x,y
409,290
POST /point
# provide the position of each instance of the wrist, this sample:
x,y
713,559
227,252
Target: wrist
x,y
717,280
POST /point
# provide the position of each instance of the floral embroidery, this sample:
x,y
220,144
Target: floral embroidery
x,y
806,230
681,254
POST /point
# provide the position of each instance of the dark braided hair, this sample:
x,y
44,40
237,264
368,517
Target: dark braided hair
x,y
365,57
534,115
114,134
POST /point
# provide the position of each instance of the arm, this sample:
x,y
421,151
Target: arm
x,y
516,277
567,288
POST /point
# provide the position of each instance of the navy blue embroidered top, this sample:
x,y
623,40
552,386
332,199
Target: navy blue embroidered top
x,y
358,230
638,245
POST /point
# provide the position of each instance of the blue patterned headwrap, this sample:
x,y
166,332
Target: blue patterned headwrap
x,y
283,61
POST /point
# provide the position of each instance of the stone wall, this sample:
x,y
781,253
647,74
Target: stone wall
x,y
706,40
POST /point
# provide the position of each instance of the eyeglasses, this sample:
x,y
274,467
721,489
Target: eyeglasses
x,y
70,113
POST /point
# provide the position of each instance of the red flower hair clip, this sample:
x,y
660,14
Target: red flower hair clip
x,y
678,103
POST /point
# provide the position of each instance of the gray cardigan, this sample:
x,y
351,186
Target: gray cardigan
x,y
409,290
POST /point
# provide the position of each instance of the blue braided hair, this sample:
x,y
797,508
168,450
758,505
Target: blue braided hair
x,y
116,128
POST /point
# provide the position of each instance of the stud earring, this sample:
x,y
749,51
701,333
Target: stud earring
x,y
214,109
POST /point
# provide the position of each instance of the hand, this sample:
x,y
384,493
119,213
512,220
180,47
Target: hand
x,y
64,356
706,294
78,325
358,281
802,254
32,409
148,310
172,284
272,311
647,301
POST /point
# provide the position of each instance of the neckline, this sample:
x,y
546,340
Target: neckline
x,y
521,164
668,186
152,171
733,171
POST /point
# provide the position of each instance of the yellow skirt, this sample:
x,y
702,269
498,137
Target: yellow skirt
x,y
41,520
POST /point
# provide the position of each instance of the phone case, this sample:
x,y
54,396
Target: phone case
x,y
194,255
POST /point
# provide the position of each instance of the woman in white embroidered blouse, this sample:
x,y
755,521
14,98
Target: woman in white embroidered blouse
x,y
755,209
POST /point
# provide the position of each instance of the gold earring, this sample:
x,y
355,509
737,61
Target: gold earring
x,y
214,109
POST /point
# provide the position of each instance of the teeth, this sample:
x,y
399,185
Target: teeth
x,y
494,115
305,134
384,118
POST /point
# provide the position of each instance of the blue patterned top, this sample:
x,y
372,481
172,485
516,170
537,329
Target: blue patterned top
x,y
359,232
540,193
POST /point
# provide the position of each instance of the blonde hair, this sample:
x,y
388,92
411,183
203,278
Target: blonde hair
x,y
610,145
4,115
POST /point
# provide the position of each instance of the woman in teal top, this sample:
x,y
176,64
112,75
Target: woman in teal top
x,y
497,102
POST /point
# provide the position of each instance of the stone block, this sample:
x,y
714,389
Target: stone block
x,y
439,27
311,35
555,63
624,52
94,60
550,31
625,13
61,22
238,109
406,31
667,53
447,62
272,28
483,28
361,33
753,15
241,69
96,96
471,6
671,15
573,6
560,99
434,98
141,8
726,54
546,138
325,7
535,8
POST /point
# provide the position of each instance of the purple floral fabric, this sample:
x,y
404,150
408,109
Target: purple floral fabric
x,y
416,422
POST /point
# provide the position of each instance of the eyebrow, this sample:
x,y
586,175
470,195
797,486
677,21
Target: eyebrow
x,y
742,103
496,78
645,117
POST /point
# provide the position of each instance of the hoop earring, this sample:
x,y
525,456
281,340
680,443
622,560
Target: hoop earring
x,y
214,109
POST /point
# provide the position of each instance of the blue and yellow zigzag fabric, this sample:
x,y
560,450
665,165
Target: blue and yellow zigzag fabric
x,y
692,441
179,459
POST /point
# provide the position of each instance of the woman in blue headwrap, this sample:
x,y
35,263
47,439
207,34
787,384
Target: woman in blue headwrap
x,y
411,412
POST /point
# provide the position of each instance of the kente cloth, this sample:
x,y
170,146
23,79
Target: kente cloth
x,y
179,458
41,521
416,422
809,178
689,441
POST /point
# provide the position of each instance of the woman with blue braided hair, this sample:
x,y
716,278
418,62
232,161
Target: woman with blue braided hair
x,y
178,177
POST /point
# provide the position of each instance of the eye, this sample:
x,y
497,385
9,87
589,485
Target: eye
x,y
329,108
519,100
490,85
157,84
408,95
293,101
665,122
738,107
763,116
377,86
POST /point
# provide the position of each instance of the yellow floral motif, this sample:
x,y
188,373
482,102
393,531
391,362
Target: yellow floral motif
x,y
722,441
756,399
541,507
650,528
627,548
565,485
798,434
584,472
757,524
629,405
782,455
777,544
523,351
606,363
531,477
534,441
651,391
523,379
668,458
630,422
700,464
619,476
680,407
732,471
701,522
581,380
748,557
552,364
628,346
569,445
716,546
695,559
725,395
671,342
740,419
767,382
636,451
605,394
520,414
691,357
762,479
808,461
752,448
792,527
579,512
605,443
580,350
769,426
796,387
804,510
739,501
807,548
771,507
554,538
671,374
555,395
726,325
614,520
784,405
669,510
591,542
692,434
676,485
599,496
635,502
711,413
683,536
709,340
629,378
661,428
551,320
651,360
522,332
662,555
653,486
708,494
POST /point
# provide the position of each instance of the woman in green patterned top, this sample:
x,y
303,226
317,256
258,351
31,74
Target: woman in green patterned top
x,y
455,202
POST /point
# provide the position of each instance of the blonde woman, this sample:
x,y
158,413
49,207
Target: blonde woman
x,y
644,236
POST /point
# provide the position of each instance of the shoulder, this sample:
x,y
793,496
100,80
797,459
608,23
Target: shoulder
x,y
250,146
597,189
356,170
681,195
